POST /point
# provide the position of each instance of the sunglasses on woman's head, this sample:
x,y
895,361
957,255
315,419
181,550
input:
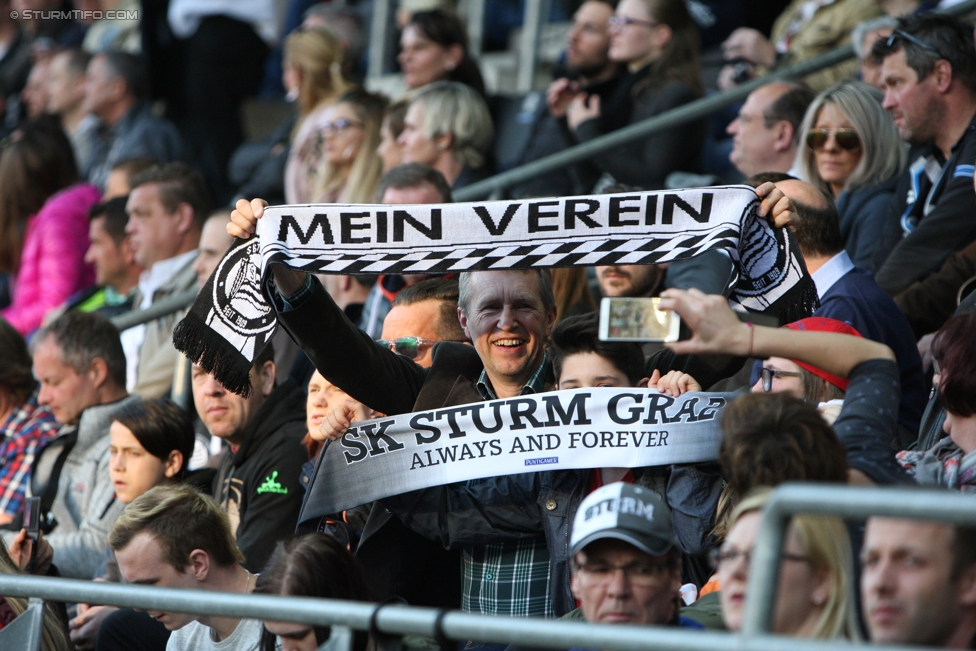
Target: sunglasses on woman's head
x,y
847,139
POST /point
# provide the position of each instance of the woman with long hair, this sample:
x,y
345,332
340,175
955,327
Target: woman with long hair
x,y
448,127
310,565
43,222
351,136
312,75
854,154
658,42
815,593
434,47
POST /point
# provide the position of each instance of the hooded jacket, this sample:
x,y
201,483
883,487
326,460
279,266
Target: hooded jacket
x,y
259,483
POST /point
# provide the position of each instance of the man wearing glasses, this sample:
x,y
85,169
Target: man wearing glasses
x,y
626,566
422,315
929,74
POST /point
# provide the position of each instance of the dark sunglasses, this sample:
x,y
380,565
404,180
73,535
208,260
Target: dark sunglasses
x,y
847,139
409,347
899,34
768,374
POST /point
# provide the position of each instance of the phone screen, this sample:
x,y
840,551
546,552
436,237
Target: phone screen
x,y
637,319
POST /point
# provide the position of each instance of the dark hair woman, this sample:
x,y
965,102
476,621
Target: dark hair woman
x,y
434,47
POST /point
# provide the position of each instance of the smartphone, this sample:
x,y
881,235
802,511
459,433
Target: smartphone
x,y
32,523
637,319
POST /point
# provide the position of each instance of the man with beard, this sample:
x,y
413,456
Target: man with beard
x,y
587,69
929,73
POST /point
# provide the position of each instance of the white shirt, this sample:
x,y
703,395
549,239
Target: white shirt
x,y
832,271
150,281
184,16
197,637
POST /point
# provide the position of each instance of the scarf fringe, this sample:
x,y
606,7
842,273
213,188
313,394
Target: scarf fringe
x,y
216,355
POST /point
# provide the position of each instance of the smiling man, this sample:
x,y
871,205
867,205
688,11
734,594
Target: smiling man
x,y
929,74
918,584
258,481
173,537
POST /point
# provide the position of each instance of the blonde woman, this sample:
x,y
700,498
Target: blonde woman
x,y
312,76
449,128
351,135
852,152
814,596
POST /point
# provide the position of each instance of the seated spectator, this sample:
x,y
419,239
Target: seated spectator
x,y
434,47
800,32
119,183
310,565
351,135
313,78
815,594
111,253
850,295
930,216
43,223
587,69
25,426
853,153
258,483
917,583
448,127
951,463
150,444
66,99
171,536
214,242
117,93
117,34
347,23
167,207
407,183
79,363
389,149
607,537
658,42
422,315
766,133
863,37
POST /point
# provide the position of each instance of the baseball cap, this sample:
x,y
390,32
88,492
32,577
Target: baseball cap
x,y
625,512
823,324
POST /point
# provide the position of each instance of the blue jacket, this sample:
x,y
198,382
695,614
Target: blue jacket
x,y
862,214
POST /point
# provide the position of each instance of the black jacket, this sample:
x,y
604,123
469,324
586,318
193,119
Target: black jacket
x,y
915,244
259,485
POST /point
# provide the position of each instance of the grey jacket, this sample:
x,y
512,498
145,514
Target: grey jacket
x,y
85,506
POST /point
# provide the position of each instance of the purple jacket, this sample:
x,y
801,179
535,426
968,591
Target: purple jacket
x,y
52,264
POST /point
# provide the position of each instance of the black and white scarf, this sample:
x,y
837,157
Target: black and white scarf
x,y
233,319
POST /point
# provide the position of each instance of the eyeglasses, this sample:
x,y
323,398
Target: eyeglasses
x,y
847,139
409,347
638,573
897,34
338,126
619,22
768,374
725,557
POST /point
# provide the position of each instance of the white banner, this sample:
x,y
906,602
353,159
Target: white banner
x,y
579,428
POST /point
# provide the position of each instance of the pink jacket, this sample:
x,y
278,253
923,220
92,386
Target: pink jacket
x,y
52,265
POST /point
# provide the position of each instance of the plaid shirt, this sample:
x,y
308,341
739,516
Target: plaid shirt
x,y
508,578
24,433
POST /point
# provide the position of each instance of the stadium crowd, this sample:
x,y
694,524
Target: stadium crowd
x,y
125,176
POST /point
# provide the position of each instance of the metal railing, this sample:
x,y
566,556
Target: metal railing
x,y
392,621
681,115
161,308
